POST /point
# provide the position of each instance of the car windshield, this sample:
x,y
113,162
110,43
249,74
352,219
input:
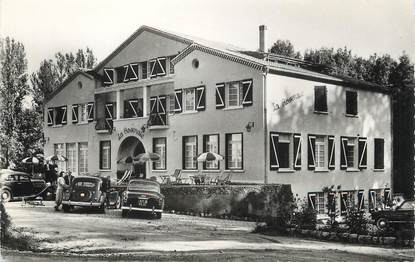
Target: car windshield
x,y
85,184
143,186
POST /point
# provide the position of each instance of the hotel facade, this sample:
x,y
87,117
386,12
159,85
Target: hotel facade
x,y
274,119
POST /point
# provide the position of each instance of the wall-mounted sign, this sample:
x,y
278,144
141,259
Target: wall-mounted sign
x,y
132,130
286,101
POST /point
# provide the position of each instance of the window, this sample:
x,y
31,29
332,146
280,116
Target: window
x,y
351,103
83,158
211,144
71,155
60,151
316,201
353,153
133,108
347,200
234,151
159,147
171,104
61,115
350,152
379,153
320,99
285,151
189,152
320,153
105,155
189,99
83,113
234,94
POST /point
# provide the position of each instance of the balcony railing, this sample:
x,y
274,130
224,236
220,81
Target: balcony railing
x,y
104,125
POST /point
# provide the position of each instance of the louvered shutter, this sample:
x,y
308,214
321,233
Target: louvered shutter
x,y
311,148
64,115
153,68
312,200
178,98
220,95
379,153
133,72
372,199
320,98
133,105
108,78
362,149
247,91
274,151
153,111
50,117
351,102
343,202
343,158
360,200
297,151
144,72
74,114
90,110
200,98
162,109
109,111
126,73
140,105
161,66
332,153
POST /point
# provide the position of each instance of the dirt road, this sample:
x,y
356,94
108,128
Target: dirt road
x,y
174,237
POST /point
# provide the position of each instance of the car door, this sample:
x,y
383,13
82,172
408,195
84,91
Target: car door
x,y
25,185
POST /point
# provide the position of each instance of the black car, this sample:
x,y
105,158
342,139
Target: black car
x,y
143,196
85,191
17,185
401,214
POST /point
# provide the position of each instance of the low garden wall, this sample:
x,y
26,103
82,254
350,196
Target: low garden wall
x,y
232,201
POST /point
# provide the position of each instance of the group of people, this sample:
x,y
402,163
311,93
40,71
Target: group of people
x,y
63,182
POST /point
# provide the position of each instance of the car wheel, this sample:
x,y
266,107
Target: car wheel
x,y
66,208
158,215
382,223
124,213
6,196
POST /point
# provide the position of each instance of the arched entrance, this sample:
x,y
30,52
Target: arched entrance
x,y
131,146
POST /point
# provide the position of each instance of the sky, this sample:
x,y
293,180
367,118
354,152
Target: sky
x,y
364,26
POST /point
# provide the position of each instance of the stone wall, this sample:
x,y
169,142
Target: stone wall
x,y
237,201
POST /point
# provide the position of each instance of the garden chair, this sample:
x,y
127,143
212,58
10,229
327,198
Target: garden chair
x,y
223,179
177,176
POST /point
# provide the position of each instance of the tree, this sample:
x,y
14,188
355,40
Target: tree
x,y
52,73
13,88
285,48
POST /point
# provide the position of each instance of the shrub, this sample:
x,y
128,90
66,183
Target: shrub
x,y
357,221
5,223
305,218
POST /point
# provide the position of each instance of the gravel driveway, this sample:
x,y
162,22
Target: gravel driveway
x,y
93,235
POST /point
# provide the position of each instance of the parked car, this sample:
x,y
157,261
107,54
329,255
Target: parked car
x,y
400,214
142,195
17,185
85,191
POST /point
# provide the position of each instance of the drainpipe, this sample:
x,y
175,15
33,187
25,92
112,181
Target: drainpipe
x,y
264,121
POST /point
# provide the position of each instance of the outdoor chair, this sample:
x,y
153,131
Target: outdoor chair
x,y
223,179
178,176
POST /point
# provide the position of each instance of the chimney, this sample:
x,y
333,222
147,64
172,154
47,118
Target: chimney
x,y
262,47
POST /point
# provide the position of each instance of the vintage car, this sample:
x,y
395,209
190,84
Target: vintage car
x,y
142,195
17,185
403,213
85,191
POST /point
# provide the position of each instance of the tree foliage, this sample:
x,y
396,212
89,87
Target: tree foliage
x,y
285,48
53,72
13,88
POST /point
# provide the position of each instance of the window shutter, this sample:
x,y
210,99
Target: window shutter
x,y
343,202
178,98
311,147
247,88
331,202
74,114
351,102
153,68
343,158
379,153
133,72
133,105
161,66
90,109
273,151
372,199
362,152
162,109
50,116
220,95
360,200
332,153
204,148
64,115
140,105
153,105
387,196
312,200
108,76
109,111
126,73
200,98
144,69
297,151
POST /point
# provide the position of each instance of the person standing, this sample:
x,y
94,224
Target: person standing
x,y
69,178
61,185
